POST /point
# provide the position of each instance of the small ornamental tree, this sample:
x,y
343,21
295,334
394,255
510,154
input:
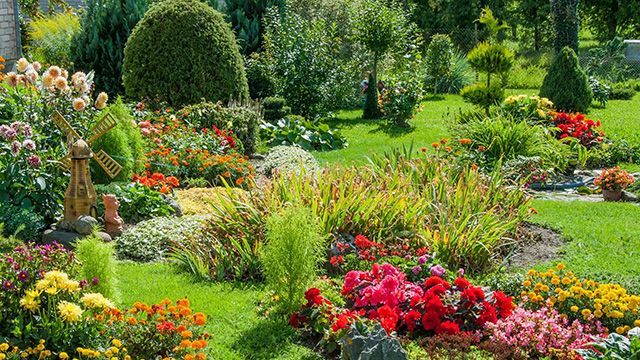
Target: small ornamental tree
x,y
489,57
566,84
379,27
438,60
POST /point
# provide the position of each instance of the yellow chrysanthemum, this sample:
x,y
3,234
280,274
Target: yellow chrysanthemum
x,y
69,312
96,301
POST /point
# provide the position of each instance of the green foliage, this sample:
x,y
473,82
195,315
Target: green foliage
x,y
161,65
22,223
566,84
622,93
534,23
137,202
246,20
373,343
566,24
150,240
97,261
607,62
601,91
312,74
459,76
610,18
50,38
288,158
241,119
478,94
615,346
491,58
291,255
275,108
295,130
124,143
380,26
439,58
106,26
8,242
401,99
500,138
260,76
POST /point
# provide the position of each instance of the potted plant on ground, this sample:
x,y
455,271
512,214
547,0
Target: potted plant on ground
x,y
612,182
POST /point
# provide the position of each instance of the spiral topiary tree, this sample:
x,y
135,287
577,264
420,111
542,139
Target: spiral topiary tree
x,y
181,52
566,84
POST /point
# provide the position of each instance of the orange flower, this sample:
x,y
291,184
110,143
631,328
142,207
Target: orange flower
x,y
201,356
189,357
164,189
185,344
132,321
183,302
199,344
465,141
239,181
185,311
435,145
226,174
186,334
199,319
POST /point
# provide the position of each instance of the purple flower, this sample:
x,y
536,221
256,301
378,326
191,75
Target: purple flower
x,y
460,272
423,259
33,160
95,281
416,270
437,270
83,283
29,144
23,276
15,148
7,285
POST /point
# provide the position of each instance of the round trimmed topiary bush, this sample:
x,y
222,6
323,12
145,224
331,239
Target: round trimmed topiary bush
x,y
181,52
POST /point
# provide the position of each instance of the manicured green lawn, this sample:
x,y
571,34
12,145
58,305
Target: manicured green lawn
x,y
604,238
237,331
366,137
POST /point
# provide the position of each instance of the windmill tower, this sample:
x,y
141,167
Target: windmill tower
x,y
80,197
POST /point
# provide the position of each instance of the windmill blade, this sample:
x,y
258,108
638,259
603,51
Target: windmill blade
x,y
66,128
106,162
65,162
105,124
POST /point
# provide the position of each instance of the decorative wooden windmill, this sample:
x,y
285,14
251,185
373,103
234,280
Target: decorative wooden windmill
x,y
80,198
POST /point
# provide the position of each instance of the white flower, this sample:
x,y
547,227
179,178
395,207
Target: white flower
x,y
22,65
79,104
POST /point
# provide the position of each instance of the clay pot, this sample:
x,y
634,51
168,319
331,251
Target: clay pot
x,y
612,195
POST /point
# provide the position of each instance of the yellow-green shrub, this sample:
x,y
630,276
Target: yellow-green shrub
x,y
51,38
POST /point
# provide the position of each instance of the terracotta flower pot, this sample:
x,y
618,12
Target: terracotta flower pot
x,y
612,195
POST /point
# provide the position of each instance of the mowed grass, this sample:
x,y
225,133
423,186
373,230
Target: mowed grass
x,y
367,137
237,331
603,238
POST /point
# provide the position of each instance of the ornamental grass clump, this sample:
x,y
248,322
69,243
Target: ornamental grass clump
x,y
466,216
291,255
98,263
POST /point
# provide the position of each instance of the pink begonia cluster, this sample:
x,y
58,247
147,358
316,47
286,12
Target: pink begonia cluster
x,y
543,332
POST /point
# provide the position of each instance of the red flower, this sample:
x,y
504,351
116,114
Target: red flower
x,y
336,260
462,283
411,318
430,320
295,320
340,324
363,243
448,327
488,314
388,318
166,327
436,280
472,295
503,303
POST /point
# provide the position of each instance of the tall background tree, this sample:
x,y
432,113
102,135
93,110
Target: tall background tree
x,y
380,26
566,23
610,18
246,17
533,20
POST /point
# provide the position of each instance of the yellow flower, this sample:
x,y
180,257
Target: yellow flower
x,y
69,312
586,313
30,303
4,347
63,355
526,283
575,308
96,301
117,343
531,272
636,323
598,313
560,266
620,330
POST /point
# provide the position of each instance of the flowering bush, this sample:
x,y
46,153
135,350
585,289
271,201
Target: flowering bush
x,y
401,100
614,179
157,181
579,127
73,322
542,333
31,142
19,271
361,253
186,153
532,109
384,295
582,299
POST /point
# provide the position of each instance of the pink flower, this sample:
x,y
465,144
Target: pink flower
x,y
34,160
437,270
15,148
